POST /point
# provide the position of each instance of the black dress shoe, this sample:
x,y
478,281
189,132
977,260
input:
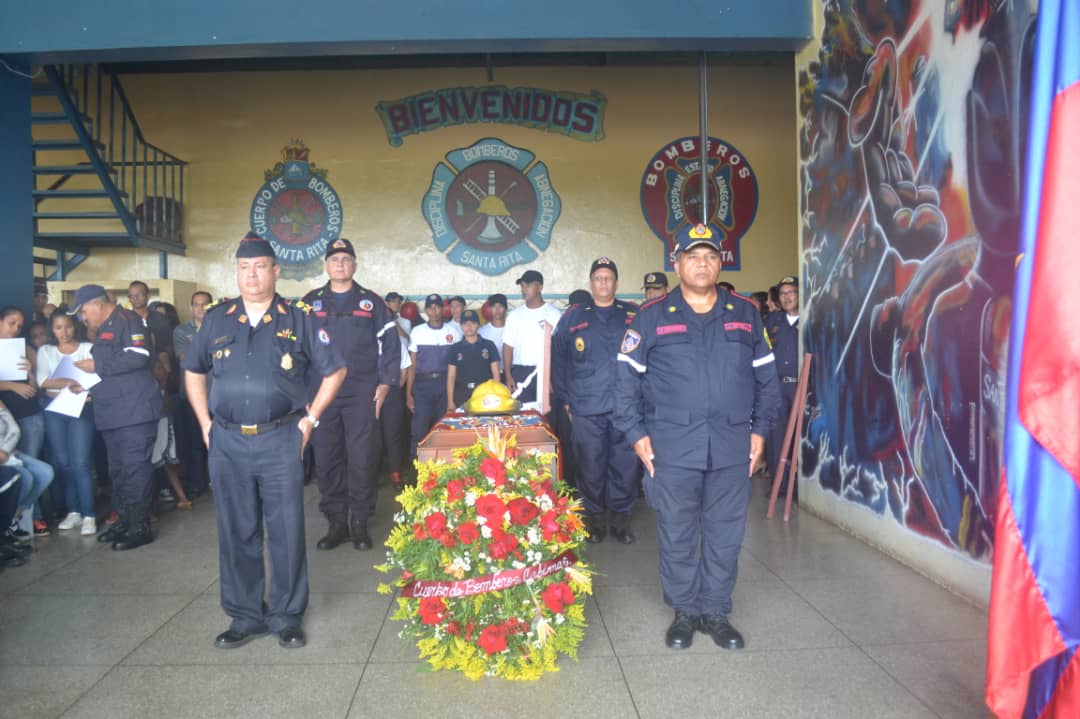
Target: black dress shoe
x,y
231,639
133,539
338,533
111,534
719,628
623,536
10,556
291,638
680,635
597,532
360,538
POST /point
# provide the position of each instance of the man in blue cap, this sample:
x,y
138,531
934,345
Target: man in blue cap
x,y
256,422
583,351
127,407
783,329
696,395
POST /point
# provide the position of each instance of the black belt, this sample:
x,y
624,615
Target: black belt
x,y
789,380
264,428
430,375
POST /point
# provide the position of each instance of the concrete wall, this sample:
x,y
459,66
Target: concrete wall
x,y
909,141
232,127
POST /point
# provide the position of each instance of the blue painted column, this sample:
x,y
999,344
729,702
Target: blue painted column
x,y
16,186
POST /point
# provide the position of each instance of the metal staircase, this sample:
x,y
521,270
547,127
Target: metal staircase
x,y
98,182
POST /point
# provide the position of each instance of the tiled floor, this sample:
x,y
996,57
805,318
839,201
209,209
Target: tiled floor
x,y
834,630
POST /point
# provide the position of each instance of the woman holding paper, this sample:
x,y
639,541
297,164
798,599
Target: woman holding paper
x,y
20,397
71,439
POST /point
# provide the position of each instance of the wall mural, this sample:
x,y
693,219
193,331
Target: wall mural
x,y
491,207
911,174
297,212
671,195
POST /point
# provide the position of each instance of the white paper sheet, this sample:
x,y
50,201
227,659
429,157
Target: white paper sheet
x,y
12,352
67,370
68,402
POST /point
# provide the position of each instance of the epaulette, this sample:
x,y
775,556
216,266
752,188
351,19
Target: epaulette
x,y
221,302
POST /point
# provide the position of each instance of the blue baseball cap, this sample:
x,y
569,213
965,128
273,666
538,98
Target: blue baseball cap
x,y
470,316
693,235
85,294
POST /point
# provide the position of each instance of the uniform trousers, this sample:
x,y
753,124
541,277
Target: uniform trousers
x,y
606,467
392,423
776,436
700,520
346,447
429,404
129,450
259,488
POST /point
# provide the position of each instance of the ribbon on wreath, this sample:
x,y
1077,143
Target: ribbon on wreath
x,y
489,582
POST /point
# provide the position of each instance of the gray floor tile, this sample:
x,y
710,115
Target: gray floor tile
x,y
40,564
947,676
340,628
80,629
825,556
591,688
37,692
312,692
810,684
769,615
888,609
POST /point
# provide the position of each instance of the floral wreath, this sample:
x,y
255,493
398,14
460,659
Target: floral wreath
x,y
490,582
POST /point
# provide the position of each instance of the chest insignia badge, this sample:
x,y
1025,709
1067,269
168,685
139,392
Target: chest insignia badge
x,y
286,362
579,344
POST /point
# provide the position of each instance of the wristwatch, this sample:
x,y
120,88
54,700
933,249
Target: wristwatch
x,y
312,420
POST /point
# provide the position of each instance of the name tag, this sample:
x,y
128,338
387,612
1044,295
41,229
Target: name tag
x,y
670,330
744,326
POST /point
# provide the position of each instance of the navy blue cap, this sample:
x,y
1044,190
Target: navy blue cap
x,y
654,280
603,263
497,299
470,316
339,245
530,276
433,299
694,235
789,280
254,246
84,294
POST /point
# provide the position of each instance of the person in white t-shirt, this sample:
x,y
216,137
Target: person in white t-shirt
x,y
457,307
523,337
494,329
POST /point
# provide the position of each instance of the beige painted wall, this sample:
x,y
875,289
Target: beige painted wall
x,y
231,128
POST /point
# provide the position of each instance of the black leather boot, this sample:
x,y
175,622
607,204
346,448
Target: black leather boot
x,y
338,533
360,538
111,534
138,532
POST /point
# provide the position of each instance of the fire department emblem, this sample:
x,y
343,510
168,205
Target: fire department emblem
x,y
491,206
297,212
671,195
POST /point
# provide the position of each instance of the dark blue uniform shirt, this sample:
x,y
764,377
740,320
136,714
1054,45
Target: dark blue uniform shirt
x,y
365,335
696,384
259,364
584,348
785,342
473,361
128,394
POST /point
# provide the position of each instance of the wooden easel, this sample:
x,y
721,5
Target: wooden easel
x,y
790,447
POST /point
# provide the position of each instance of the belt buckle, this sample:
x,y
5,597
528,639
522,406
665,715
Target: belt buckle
x,y
249,429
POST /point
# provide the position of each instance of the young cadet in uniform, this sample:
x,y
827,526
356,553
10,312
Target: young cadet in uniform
x,y
472,360
655,285
523,339
429,348
127,407
346,442
783,329
583,352
696,394
258,349
393,422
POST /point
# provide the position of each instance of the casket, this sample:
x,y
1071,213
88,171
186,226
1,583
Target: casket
x,y
458,431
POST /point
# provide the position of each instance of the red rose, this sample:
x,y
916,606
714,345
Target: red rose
x,y
557,597
432,610
467,532
491,508
453,628
418,531
469,481
494,470
455,490
522,511
492,640
512,452
447,539
549,525
435,523
429,486
502,544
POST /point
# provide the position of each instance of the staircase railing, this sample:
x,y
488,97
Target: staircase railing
x,y
145,182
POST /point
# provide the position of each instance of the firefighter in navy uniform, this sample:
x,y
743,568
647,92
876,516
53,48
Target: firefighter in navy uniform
x,y
259,349
347,442
696,394
127,407
583,351
783,329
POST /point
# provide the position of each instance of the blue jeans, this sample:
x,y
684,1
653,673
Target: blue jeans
x,y
71,441
32,437
36,478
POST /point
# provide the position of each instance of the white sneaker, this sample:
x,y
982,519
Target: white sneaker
x,y
70,522
89,526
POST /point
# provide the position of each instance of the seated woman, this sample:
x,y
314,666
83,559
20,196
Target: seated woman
x,y
35,475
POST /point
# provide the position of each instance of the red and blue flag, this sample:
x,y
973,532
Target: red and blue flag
x,y
1033,666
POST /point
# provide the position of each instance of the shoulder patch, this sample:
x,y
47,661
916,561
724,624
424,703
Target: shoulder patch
x,y
630,342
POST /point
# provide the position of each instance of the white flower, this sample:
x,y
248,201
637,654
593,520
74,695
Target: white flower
x,y
518,565
533,536
559,619
399,517
470,499
485,531
545,503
